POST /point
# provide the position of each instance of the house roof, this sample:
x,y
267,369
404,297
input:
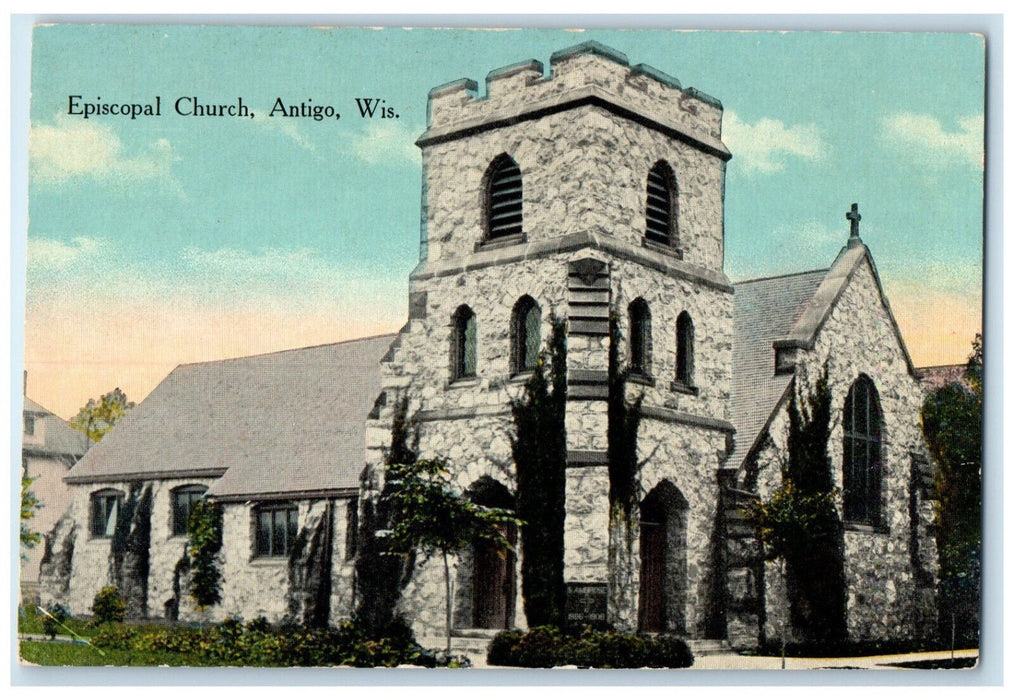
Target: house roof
x,y
764,310
270,425
58,437
941,375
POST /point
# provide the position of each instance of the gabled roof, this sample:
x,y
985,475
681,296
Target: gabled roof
x,y
785,312
58,437
285,423
764,310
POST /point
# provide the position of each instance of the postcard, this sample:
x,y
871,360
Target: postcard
x,y
523,348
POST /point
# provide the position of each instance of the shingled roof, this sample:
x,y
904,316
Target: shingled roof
x,y
282,424
58,438
764,310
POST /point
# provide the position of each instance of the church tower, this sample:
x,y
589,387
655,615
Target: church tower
x,y
595,190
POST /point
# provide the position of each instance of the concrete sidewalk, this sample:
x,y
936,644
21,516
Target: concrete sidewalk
x,y
774,663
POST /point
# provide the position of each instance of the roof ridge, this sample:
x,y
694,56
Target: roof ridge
x,y
784,276
378,336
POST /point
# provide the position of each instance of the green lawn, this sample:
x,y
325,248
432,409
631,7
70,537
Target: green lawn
x,y
30,622
60,654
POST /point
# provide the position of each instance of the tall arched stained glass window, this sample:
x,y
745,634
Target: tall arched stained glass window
x,y
640,337
526,335
684,350
464,344
861,457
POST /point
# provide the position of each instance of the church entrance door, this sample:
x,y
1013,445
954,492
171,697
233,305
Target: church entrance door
x,y
494,583
662,599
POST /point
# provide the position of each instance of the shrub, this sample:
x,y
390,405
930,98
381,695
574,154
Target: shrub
x,y
108,606
544,647
50,626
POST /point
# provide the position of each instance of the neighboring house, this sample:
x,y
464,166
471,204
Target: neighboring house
x,y
49,448
594,191
938,376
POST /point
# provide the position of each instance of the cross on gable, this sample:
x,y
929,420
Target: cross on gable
x,y
853,216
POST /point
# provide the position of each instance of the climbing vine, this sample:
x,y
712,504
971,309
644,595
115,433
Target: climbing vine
x,y
204,528
624,421
381,575
799,524
539,447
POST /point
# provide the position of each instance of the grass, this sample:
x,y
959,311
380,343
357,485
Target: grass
x,y
30,621
60,654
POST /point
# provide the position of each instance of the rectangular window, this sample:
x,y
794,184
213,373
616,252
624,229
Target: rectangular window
x,y
277,526
184,499
105,507
29,425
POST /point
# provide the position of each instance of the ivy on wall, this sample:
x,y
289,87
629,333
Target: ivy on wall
x,y
204,528
624,422
381,575
539,447
799,524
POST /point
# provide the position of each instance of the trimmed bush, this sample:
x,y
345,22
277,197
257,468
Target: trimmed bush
x,y
108,606
544,647
259,644
52,627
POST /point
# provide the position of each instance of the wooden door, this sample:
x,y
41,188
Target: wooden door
x,y
493,584
653,549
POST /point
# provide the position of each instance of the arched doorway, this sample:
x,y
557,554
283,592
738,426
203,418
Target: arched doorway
x,y
662,602
494,588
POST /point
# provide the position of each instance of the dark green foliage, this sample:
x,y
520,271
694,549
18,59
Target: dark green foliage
x,y
435,519
800,523
539,447
952,424
52,623
624,422
121,532
108,606
29,504
204,529
381,575
259,644
546,646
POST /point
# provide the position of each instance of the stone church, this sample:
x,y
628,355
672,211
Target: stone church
x,y
590,192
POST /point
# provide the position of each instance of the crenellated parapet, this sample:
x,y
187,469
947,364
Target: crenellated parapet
x,y
588,73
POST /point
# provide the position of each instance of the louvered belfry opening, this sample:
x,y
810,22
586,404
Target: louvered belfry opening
x,y
503,209
660,204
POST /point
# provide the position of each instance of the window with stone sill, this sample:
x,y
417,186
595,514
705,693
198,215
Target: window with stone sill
x,y
685,354
525,335
503,199
640,340
105,506
464,342
661,206
183,500
276,526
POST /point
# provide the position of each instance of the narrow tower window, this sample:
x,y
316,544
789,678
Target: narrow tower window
x,y
640,337
526,323
463,344
503,198
684,350
660,205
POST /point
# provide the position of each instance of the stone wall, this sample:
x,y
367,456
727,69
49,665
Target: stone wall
x,y
250,586
886,596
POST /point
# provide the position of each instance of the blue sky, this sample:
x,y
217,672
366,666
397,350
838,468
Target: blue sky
x,y
158,241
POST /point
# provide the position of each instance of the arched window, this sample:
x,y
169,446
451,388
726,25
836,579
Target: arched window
x,y
640,337
463,344
661,205
526,332
183,499
105,506
861,457
503,198
684,350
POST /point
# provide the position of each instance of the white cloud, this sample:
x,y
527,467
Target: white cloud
x,y
287,126
925,137
73,148
766,145
384,142
51,254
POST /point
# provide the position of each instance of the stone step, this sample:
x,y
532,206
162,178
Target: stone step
x,y
709,647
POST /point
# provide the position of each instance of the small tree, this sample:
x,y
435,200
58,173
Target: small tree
x,y
436,520
96,418
952,424
29,504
